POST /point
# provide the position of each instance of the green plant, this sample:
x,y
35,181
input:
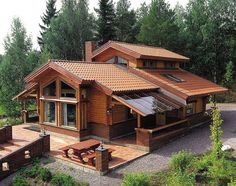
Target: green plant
x,y
181,179
136,179
182,161
204,162
232,182
31,173
216,131
19,181
221,171
63,180
45,174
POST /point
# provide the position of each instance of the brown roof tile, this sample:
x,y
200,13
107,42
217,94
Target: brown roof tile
x,y
110,76
141,51
191,85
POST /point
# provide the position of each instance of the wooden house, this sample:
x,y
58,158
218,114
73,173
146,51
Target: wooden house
x,y
120,90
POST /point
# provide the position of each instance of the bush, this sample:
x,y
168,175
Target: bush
x,y
63,180
221,171
205,162
19,181
181,179
45,175
136,179
182,161
31,173
232,182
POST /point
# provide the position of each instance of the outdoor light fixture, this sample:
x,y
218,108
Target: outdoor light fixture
x,y
109,110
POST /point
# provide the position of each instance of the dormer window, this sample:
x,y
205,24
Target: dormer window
x,y
149,64
173,78
169,65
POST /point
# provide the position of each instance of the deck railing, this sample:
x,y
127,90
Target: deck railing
x,y
154,138
24,155
5,134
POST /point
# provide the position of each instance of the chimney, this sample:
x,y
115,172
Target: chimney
x,y
89,48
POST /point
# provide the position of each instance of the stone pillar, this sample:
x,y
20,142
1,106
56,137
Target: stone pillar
x,y
102,160
8,129
45,142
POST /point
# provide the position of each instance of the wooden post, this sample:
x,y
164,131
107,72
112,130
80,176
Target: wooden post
x,y
139,121
24,111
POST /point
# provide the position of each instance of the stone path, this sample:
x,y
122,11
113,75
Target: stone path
x,y
197,141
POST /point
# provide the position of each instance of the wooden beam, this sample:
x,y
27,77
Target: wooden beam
x,y
139,121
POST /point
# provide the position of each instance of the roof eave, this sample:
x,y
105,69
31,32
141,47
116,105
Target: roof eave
x,y
184,59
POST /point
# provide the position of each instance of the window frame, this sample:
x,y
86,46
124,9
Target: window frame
x,y
193,103
44,113
62,116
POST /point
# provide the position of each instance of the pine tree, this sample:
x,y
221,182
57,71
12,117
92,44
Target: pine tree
x,y
68,32
14,67
126,27
106,21
50,13
158,28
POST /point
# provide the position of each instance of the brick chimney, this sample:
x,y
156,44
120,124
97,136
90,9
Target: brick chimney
x,y
89,48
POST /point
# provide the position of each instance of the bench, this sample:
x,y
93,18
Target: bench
x,y
91,158
109,154
65,151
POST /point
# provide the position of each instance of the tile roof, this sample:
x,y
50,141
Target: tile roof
x,y
111,76
141,51
191,84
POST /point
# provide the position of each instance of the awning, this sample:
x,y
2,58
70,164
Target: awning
x,y
27,92
147,103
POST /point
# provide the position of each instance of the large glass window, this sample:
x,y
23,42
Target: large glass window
x,y
49,112
50,90
67,91
69,115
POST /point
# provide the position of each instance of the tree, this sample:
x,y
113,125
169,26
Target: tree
x,y
105,23
51,12
158,28
126,27
229,74
68,32
216,131
14,67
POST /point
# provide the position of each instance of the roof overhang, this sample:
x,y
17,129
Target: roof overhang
x,y
27,92
38,73
147,103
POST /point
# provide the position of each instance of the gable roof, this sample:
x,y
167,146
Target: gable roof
x,y
189,85
107,77
140,51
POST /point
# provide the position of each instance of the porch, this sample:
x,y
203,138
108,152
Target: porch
x,y
149,139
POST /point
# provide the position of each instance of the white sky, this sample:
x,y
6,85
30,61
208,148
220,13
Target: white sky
x,y
29,11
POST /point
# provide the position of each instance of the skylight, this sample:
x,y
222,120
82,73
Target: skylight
x,y
173,78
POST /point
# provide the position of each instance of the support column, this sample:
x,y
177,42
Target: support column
x,y
102,160
139,121
160,118
25,113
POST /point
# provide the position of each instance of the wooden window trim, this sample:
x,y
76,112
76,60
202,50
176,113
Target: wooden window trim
x,y
76,117
56,119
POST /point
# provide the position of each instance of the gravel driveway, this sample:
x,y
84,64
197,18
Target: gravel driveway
x,y
197,141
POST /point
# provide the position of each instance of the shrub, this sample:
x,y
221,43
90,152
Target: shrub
x,y
221,171
45,174
181,179
136,179
205,162
62,179
19,181
31,173
232,182
182,161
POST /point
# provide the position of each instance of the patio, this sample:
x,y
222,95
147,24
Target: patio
x,y
121,155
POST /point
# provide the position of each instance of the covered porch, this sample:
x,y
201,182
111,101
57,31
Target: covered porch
x,y
159,119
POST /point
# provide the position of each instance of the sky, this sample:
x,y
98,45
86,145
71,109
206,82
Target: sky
x,y
30,11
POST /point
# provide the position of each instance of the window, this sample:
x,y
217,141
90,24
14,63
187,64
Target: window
x,y
122,61
169,65
149,64
67,91
69,115
49,112
190,108
173,78
50,90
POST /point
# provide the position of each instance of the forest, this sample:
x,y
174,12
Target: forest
x,y
204,31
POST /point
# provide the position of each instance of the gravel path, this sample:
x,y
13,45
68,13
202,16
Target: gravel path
x,y
197,141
